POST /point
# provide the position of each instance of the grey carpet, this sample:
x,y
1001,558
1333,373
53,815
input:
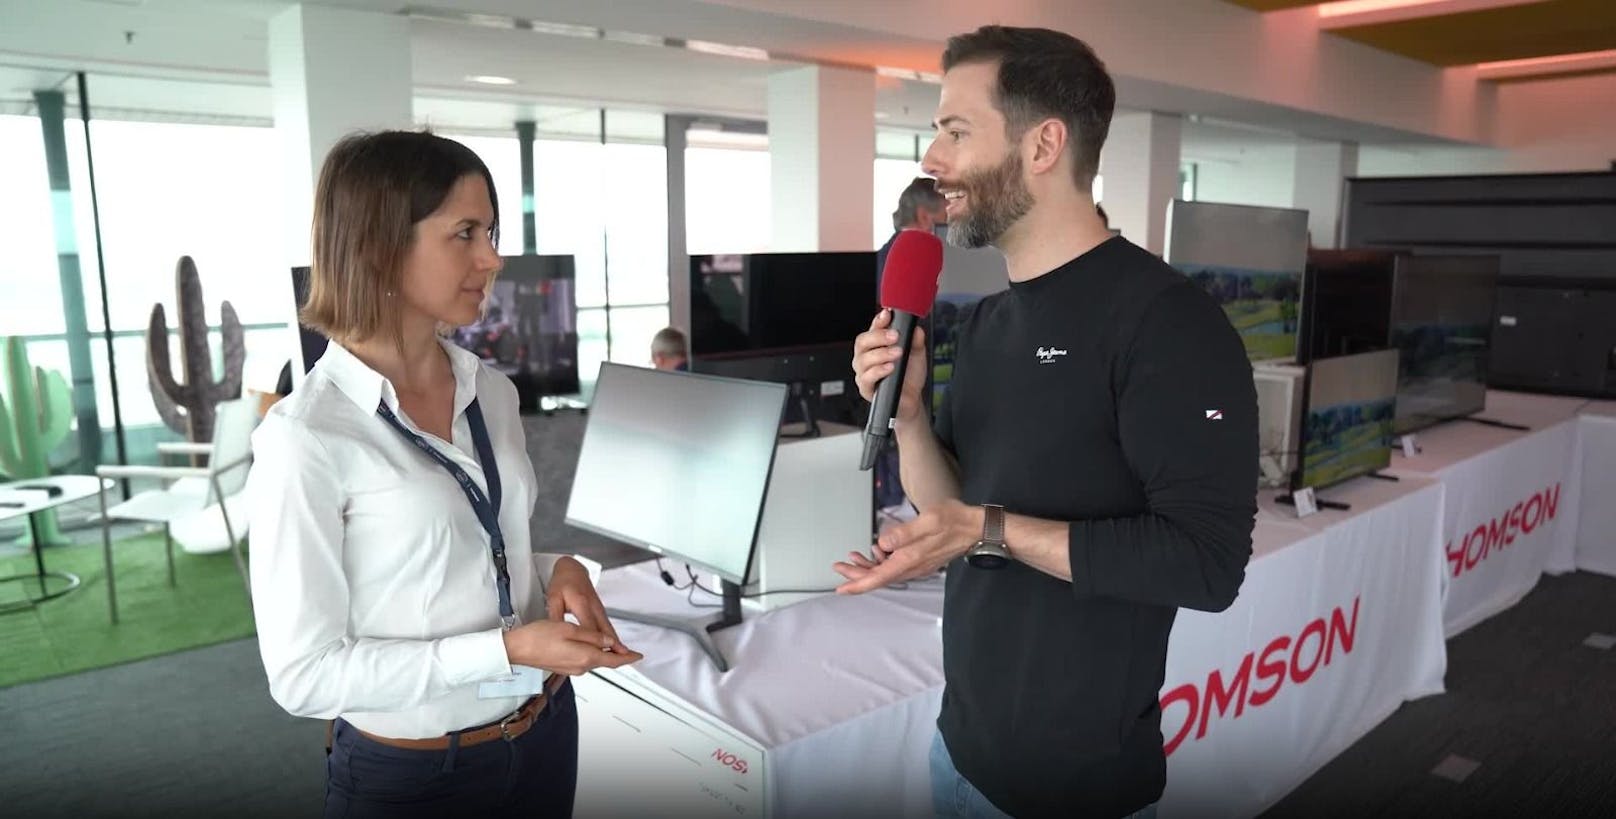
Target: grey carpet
x,y
1526,699
191,734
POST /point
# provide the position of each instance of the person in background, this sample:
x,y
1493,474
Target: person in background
x,y
670,351
1091,469
920,207
393,580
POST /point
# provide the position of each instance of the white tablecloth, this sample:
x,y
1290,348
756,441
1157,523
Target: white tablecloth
x,y
1329,636
1596,518
843,692
1511,501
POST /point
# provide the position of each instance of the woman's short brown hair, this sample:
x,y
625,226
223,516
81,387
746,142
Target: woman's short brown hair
x,y
373,189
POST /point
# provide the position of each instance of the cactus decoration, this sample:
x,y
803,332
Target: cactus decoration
x,y
35,414
187,407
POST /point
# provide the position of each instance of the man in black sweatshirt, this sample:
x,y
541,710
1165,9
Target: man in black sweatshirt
x,y
1092,468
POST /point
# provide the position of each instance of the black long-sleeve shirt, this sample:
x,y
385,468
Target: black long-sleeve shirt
x,y
1113,394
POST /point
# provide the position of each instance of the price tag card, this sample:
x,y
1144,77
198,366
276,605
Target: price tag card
x,y
1306,504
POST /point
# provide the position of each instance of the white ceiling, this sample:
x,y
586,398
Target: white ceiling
x,y
205,60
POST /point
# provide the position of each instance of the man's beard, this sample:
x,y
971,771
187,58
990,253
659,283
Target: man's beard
x,y
997,198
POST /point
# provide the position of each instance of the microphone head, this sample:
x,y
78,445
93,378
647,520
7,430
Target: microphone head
x,y
909,280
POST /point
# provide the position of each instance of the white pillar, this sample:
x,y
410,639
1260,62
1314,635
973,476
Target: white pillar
x,y
1321,171
1140,165
333,72
822,158
675,138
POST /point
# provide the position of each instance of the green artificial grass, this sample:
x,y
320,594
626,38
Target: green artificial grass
x,y
72,633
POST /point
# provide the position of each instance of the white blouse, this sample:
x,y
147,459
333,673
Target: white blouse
x,y
372,580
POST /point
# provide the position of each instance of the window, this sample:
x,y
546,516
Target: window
x,y
891,177
165,190
728,204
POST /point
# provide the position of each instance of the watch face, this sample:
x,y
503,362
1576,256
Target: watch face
x,y
985,555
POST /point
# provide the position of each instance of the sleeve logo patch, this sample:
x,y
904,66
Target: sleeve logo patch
x,y
1214,415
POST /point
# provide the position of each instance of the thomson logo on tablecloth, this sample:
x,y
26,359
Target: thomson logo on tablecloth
x,y
1285,658
1494,535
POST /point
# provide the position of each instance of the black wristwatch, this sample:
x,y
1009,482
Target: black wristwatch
x,y
990,551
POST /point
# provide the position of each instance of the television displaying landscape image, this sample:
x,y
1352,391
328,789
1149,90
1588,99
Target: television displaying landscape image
x,y
1441,323
1347,424
1261,304
947,320
1251,259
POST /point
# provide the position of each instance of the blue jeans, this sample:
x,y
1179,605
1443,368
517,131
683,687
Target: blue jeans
x,y
954,797
535,775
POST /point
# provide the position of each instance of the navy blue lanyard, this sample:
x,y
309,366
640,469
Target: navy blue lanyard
x,y
487,510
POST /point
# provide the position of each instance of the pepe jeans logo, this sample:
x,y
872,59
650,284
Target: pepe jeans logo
x,y
1047,355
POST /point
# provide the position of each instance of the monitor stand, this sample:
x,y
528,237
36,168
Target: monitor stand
x,y
799,393
1317,501
702,634
1491,422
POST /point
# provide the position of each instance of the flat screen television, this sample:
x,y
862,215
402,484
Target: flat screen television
x,y
1441,317
310,343
785,317
679,464
1346,303
1251,260
947,320
529,328
1347,417
1555,335
766,301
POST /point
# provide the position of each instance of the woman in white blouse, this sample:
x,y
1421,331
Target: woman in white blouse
x,y
393,580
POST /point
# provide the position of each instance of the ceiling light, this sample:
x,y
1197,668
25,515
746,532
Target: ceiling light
x,y
490,79
1556,64
1352,13
724,50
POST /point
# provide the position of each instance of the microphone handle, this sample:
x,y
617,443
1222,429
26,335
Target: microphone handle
x,y
885,404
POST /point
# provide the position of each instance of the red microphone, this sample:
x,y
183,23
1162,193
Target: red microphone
x,y
908,289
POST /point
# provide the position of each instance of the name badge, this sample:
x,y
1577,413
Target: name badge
x,y
523,681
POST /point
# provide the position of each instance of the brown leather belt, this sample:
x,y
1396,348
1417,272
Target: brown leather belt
x,y
507,729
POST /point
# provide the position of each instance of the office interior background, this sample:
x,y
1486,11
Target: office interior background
x,y
135,132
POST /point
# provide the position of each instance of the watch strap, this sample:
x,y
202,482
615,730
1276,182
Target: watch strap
x,y
992,523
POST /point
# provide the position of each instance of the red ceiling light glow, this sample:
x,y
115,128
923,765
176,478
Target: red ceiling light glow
x,y
1352,13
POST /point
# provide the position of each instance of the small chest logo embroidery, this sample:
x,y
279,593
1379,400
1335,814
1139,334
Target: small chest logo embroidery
x,y
1214,415
1047,355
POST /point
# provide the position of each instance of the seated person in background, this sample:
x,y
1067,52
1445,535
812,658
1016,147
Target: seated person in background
x,y
669,350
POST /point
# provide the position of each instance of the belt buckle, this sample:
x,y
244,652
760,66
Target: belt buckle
x,y
505,725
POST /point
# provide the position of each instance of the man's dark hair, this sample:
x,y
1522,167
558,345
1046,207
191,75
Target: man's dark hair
x,y
921,193
1045,74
